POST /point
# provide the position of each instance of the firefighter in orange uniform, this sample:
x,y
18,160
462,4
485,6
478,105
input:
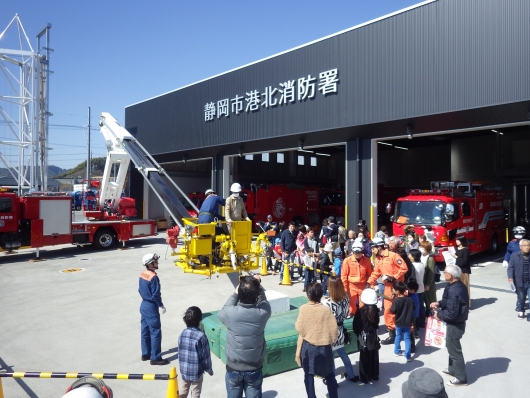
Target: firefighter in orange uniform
x,y
392,268
355,271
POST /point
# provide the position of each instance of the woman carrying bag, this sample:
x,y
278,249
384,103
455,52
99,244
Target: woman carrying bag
x,y
339,304
317,330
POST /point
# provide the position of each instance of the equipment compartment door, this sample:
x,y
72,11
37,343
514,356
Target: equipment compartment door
x,y
57,217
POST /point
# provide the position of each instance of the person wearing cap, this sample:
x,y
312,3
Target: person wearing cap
x,y
392,268
151,308
209,210
355,271
235,206
332,232
423,382
272,229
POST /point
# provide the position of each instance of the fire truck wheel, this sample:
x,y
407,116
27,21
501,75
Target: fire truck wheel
x,y
494,244
104,239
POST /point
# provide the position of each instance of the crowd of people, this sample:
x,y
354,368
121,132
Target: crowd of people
x,y
401,278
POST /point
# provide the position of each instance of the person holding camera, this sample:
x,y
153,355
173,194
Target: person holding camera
x,y
245,315
453,309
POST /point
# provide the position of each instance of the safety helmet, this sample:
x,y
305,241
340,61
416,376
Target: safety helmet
x,y
209,191
377,242
369,296
88,387
357,247
235,187
149,258
328,247
519,230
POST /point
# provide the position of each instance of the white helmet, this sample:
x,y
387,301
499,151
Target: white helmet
x,y
377,242
357,247
369,296
209,191
328,247
149,258
235,187
519,230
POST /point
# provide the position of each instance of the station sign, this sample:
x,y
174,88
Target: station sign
x,y
288,92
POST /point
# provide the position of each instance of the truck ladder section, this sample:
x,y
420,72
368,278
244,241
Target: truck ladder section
x,y
123,147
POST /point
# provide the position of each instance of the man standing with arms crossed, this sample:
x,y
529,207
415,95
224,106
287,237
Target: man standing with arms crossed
x,y
392,268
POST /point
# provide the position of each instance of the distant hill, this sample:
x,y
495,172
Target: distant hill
x,y
53,171
97,164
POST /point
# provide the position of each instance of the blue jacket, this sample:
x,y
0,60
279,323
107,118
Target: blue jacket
x,y
513,247
209,209
515,269
288,241
337,265
416,301
149,289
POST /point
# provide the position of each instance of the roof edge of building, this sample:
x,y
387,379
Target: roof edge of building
x,y
294,48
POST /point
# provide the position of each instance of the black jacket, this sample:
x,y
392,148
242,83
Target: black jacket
x,y
454,307
288,239
462,260
324,263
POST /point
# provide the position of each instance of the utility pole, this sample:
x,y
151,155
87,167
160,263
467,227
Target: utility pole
x,y
88,155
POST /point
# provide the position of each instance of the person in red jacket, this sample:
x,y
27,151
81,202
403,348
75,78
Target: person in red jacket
x,y
355,271
392,268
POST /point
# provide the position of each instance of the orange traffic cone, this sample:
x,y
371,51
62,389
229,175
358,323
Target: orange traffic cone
x,y
286,280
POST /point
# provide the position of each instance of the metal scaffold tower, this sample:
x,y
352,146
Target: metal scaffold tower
x,y
24,106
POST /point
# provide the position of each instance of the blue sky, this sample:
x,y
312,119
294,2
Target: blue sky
x,y
110,54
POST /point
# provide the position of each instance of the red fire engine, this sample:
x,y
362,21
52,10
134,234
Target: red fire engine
x,y
283,202
450,209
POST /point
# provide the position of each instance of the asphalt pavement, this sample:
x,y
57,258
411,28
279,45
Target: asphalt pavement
x,y
89,321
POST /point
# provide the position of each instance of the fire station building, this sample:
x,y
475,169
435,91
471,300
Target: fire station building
x,y
436,92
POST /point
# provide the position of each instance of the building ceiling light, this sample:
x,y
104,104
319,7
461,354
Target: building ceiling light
x,y
384,143
400,147
303,150
498,132
322,154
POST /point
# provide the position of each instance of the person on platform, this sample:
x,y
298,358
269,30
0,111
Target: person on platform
x,y
209,210
318,330
391,267
365,326
453,310
245,315
151,308
356,269
235,207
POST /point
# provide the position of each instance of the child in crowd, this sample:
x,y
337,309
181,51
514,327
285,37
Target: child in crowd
x,y
309,271
413,288
194,354
365,325
403,309
277,251
325,265
337,261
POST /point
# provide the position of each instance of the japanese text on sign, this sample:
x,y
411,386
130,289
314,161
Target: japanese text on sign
x,y
288,92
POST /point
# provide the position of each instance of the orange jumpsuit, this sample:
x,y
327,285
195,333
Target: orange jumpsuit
x,y
354,275
391,264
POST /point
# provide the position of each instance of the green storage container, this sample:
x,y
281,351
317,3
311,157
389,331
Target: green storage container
x,y
280,336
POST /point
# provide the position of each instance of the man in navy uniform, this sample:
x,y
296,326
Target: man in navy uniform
x,y
210,207
151,308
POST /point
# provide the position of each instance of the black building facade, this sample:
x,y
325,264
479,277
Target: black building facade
x,y
444,68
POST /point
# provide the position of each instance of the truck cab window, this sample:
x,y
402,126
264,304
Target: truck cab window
x,y
5,205
466,209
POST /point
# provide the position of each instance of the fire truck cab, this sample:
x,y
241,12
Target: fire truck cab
x,y
450,209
